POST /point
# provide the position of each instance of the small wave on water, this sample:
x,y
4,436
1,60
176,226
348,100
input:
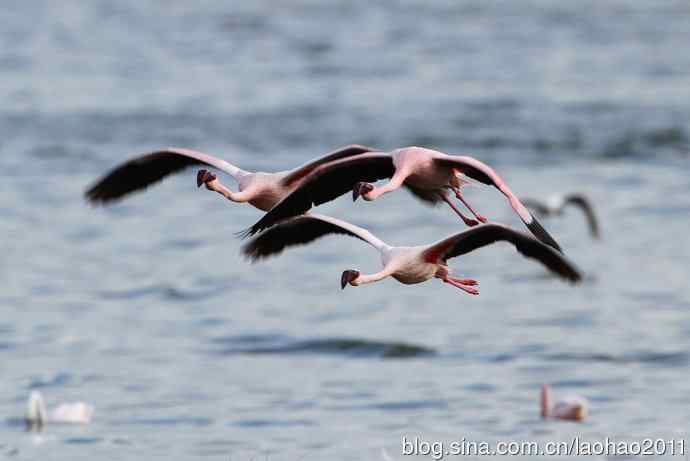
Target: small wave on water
x,y
263,423
162,291
177,421
60,379
83,440
55,152
350,347
396,406
639,143
653,358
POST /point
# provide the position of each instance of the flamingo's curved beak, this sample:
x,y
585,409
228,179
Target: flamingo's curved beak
x,y
203,177
347,277
361,188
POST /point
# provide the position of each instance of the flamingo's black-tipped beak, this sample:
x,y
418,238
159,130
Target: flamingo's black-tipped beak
x,y
347,277
204,176
361,188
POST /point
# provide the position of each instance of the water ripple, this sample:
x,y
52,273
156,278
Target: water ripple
x,y
653,358
261,423
58,380
83,440
396,406
350,347
162,291
179,421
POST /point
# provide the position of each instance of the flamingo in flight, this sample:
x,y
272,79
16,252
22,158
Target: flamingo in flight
x,y
572,408
427,173
262,190
408,265
556,204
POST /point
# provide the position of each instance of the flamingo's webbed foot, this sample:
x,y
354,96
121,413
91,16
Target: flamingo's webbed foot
x,y
205,177
361,188
472,291
469,282
464,285
468,221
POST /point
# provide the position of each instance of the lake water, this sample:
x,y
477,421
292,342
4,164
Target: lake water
x,y
147,311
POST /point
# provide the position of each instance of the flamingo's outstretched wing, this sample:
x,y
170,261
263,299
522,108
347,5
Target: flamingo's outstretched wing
x,y
343,152
327,183
481,236
481,172
301,230
145,170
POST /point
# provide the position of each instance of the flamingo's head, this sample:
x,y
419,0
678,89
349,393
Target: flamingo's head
x,y
204,177
361,188
349,276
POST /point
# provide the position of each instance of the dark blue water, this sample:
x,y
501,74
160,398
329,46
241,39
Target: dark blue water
x,y
147,311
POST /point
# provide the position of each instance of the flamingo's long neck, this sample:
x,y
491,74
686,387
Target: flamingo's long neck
x,y
545,401
242,196
369,278
395,182
36,411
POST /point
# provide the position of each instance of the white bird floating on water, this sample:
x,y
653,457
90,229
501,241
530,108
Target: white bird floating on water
x,y
571,408
65,413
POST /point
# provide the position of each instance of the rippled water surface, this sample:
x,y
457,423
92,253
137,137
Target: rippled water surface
x,y
146,310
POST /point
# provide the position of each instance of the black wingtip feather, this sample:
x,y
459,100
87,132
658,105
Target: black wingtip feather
x,y
253,253
91,196
137,175
570,271
538,231
244,233
96,196
559,264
